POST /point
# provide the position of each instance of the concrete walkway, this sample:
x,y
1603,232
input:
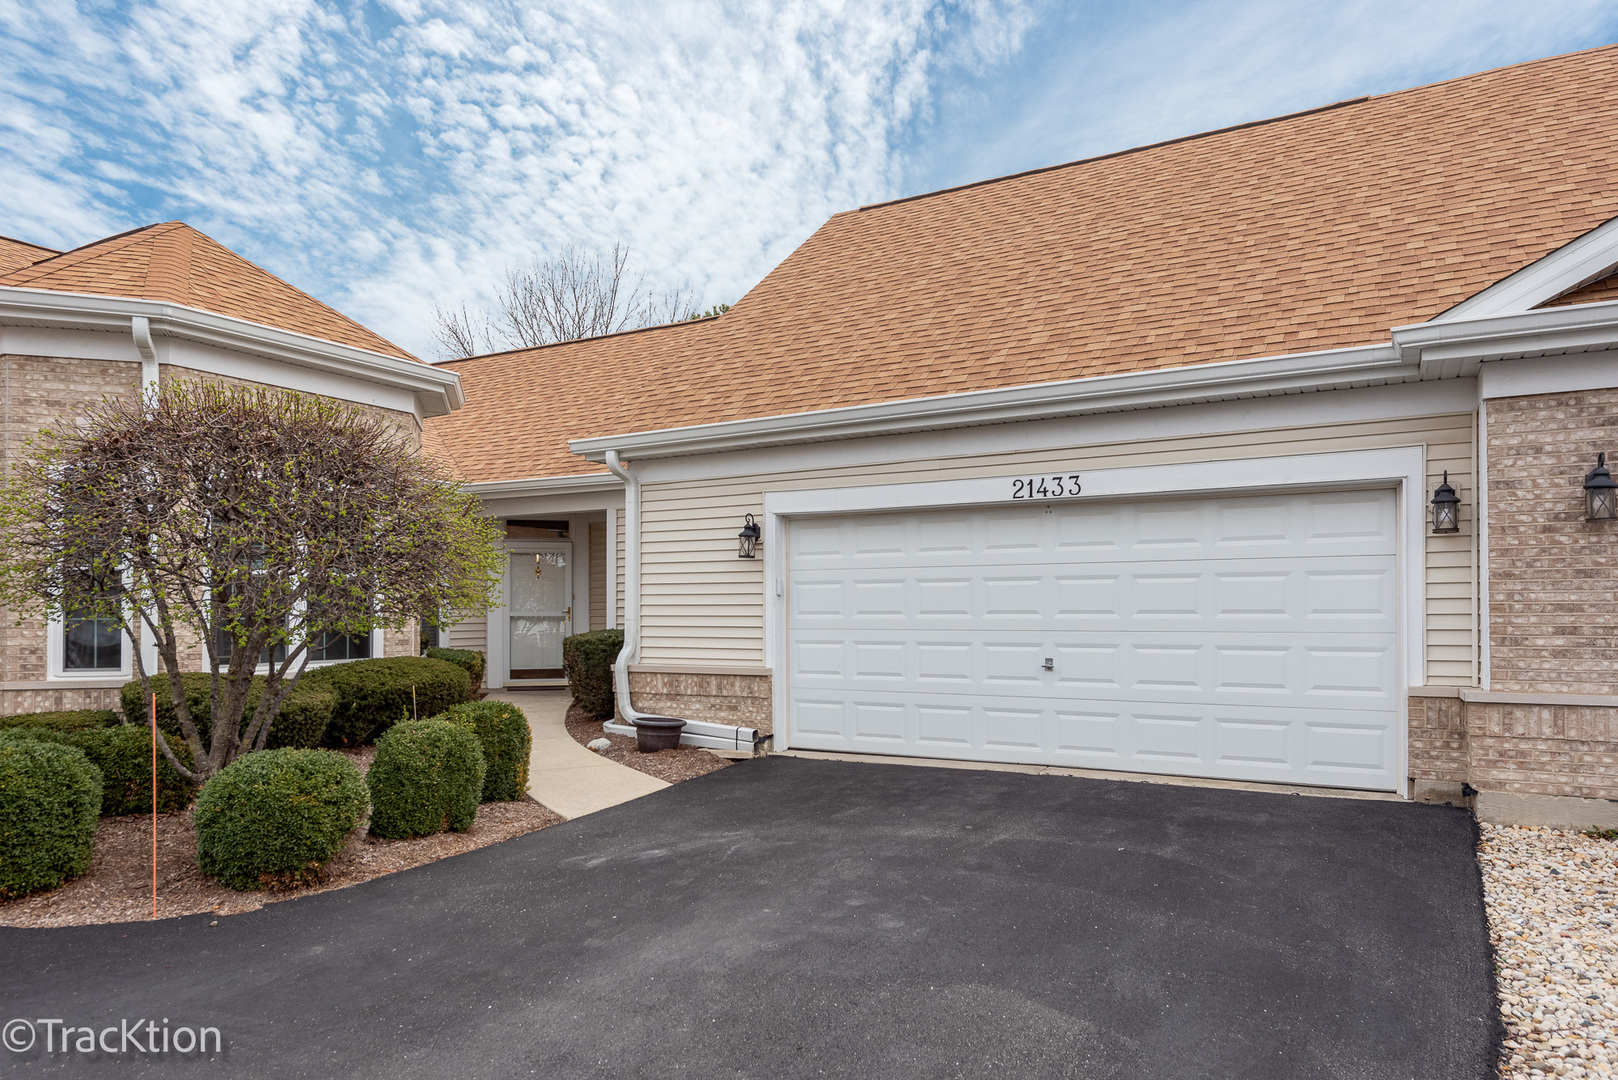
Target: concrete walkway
x,y
563,775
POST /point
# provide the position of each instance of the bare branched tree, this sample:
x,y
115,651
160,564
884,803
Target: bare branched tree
x,y
256,521
579,294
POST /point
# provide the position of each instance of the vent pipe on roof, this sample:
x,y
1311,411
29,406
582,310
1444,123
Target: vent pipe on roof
x,y
140,328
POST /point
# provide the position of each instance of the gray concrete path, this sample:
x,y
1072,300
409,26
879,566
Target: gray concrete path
x,y
563,775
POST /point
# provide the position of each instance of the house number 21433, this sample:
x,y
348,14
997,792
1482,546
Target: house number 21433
x,y
1045,487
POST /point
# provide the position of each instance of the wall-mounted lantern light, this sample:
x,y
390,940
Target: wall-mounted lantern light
x,y
1446,508
1600,492
748,539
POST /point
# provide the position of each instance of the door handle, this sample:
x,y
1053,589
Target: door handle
x,y
1049,664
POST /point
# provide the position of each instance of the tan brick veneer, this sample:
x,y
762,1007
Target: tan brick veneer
x,y
717,697
1553,576
1522,747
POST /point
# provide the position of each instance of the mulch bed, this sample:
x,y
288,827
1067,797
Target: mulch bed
x,y
681,763
118,886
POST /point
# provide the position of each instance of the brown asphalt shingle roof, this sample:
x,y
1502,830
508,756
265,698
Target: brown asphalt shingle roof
x,y
16,254
1315,231
1593,293
175,263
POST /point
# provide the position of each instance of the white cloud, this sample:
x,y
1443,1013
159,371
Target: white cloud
x,y
408,153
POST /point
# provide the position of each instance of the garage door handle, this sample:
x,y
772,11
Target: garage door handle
x,y
1049,664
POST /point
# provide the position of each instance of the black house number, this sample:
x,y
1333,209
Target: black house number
x,y
1045,487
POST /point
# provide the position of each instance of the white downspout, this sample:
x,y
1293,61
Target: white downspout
x,y
140,328
631,649
696,732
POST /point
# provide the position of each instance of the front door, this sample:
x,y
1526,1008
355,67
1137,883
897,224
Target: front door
x,y
540,609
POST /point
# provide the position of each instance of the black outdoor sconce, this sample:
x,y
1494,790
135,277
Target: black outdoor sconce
x,y
747,540
1446,508
1600,492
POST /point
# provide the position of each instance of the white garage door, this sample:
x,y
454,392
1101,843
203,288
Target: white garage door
x,y
1246,638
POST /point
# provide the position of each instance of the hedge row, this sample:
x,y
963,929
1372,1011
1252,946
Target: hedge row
x,y
587,662
373,695
72,720
50,796
427,777
506,740
302,722
469,659
123,754
276,816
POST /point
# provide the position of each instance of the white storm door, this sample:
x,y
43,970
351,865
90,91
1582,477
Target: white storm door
x,y
1245,638
539,608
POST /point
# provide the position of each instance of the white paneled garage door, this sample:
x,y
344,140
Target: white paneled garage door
x,y
1249,638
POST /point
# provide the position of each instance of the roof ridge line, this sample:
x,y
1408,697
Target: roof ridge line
x,y
1120,153
575,341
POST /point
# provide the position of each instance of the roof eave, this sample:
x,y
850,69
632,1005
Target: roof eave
x,y
437,391
1264,376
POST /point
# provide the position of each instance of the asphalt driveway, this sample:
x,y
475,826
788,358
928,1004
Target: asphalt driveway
x,y
793,918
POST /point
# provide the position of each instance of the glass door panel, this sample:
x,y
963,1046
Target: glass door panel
x,y
540,611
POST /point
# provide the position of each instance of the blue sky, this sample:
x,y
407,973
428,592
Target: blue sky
x,y
393,154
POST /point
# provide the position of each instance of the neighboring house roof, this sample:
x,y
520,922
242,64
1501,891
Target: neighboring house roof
x,y
16,254
175,263
1308,232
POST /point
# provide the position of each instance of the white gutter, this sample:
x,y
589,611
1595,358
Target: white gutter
x,y
696,732
1457,347
543,485
437,390
1358,366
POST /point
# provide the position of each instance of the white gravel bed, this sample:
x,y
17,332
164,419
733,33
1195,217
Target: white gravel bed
x,y
1550,897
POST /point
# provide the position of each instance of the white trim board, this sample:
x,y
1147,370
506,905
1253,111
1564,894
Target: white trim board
x,y
1403,468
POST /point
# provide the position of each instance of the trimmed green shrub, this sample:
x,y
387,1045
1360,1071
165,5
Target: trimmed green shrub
x,y
373,694
276,816
470,659
503,733
427,777
587,662
50,797
302,721
72,720
124,756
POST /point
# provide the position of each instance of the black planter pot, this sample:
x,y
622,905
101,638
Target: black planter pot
x,y
654,733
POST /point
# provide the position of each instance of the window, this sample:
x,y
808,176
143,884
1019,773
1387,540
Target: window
x,y
340,647
91,644
432,635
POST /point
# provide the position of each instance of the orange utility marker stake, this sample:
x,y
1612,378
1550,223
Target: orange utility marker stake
x,y
154,806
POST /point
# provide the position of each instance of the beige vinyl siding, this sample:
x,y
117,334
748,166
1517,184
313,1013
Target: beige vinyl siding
x,y
701,605
471,634
618,597
596,544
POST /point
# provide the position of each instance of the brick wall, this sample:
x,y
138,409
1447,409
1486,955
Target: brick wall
x,y
34,392
738,699
1553,576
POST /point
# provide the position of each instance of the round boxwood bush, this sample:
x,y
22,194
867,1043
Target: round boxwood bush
x,y
275,816
302,721
71,720
587,663
372,695
124,756
427,777
50,797
503,732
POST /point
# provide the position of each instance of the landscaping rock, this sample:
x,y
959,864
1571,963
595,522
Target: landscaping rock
x,y
1550,898
600,746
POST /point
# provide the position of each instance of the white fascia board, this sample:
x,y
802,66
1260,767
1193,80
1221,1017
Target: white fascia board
x,y
1361,365
437,391
1589,258
1457,347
